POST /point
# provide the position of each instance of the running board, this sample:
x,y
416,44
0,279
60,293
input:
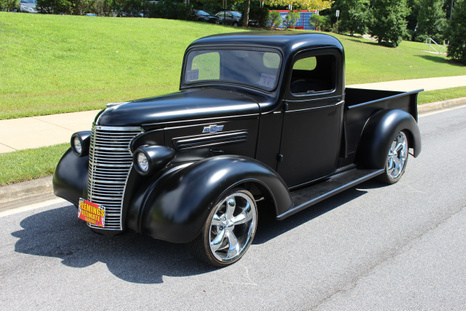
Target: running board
x,y
306,197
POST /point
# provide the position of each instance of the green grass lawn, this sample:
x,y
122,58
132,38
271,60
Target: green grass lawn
x,y
53,64
30,164
440,95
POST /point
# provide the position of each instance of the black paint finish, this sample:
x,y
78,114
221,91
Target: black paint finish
x,y
282,145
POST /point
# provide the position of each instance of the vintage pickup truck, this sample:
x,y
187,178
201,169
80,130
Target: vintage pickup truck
x,y
259,119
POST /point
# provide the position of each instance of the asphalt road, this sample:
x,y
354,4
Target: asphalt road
x,y
400,247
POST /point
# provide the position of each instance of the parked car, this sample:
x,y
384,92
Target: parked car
x,y
230,18
203,16
234,18
28,6
260,119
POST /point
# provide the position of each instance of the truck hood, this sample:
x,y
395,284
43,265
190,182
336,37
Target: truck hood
x,y
185,105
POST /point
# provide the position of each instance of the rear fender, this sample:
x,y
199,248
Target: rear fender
x,y
378,135
175,207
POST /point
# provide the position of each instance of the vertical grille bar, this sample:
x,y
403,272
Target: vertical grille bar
x,y
110,161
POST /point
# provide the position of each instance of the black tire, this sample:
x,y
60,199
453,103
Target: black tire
x,y
397,159
228,231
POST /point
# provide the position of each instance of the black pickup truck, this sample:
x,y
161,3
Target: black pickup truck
x,y
259,119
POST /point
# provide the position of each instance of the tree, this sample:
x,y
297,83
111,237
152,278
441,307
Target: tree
x,y
447,7
247,5
353,15
431,20
413,5
9,4
388,21
456,31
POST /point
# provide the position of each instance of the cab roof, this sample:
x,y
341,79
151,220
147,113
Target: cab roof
x,y
288,42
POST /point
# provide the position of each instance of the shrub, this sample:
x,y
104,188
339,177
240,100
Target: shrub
x,y
9,5
128,8
275,19
261,15
74,7
456,31
171,10
102,7
320,22
291,19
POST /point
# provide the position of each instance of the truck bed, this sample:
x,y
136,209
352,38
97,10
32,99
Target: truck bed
x,y
360,104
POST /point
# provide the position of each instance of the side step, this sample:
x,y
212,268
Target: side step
x,y
306,197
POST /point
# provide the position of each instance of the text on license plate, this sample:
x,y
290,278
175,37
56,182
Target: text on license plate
x,y
91,212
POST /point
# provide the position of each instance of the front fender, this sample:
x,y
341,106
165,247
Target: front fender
x,y
70,177
175,207
378,135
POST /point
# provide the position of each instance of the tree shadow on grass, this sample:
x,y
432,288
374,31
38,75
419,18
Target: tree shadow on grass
x,y
440,59
132,257
361,40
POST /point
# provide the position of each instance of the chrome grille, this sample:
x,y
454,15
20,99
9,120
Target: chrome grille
x,y
110,161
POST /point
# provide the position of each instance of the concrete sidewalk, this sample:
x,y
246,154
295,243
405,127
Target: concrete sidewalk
x,y
35,132
428,84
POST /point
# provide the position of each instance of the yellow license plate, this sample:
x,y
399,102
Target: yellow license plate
x,y
91,212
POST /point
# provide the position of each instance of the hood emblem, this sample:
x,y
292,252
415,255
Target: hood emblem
x,y
212,129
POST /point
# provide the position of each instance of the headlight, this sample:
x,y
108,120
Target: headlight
x,y
151,158
80,143
142,162
77,146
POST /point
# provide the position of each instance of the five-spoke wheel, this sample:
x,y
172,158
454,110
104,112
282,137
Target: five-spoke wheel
x,y
229,229
397,159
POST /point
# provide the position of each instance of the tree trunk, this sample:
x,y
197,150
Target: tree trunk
x,y
247,4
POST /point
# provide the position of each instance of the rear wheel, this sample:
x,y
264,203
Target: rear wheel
x,y
397,159
228,231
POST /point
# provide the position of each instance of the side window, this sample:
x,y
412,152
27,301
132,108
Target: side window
x,y
313,75
205,66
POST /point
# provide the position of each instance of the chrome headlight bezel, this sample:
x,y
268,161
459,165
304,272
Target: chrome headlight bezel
x,y
147,159
80,143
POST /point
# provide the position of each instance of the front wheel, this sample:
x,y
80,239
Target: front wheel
x,y
397,159
228,231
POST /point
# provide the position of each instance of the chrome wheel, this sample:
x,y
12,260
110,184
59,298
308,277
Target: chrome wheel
x,y
397,158
228,231
233,226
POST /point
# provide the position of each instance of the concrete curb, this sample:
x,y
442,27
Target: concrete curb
x,y
28,192
19,194
436,106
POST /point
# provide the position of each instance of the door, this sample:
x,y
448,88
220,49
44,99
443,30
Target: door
x,y
313,116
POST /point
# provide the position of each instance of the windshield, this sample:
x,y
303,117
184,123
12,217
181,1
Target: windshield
x,y
256,68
